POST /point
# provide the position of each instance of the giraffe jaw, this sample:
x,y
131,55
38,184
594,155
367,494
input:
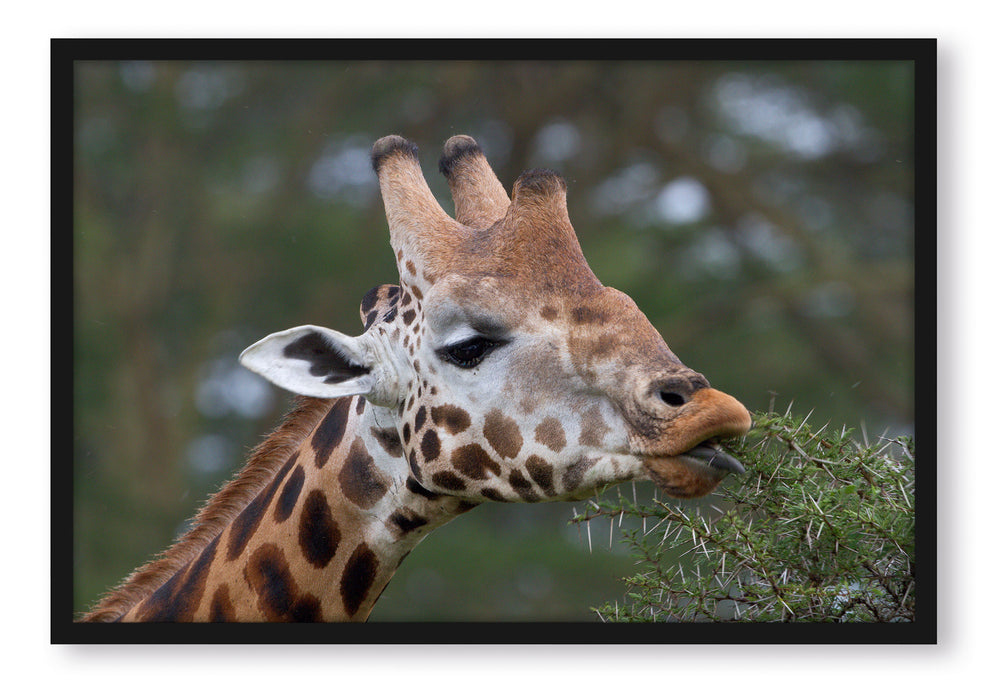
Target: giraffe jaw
x,y
694,472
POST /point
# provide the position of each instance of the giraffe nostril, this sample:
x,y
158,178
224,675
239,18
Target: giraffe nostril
x,y
677,390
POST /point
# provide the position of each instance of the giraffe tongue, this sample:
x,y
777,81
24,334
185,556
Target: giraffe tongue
x,y
716,458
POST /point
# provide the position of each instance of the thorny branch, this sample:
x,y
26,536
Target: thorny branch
x,y
820,529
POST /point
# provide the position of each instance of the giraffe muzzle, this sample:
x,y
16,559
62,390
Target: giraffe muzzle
x,y
686,459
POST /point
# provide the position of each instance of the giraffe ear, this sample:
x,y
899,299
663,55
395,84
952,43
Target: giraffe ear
x,y
313,361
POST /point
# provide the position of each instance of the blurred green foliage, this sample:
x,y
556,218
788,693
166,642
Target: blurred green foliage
x,y
761,214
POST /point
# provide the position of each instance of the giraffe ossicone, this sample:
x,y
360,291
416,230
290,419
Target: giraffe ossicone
x,y
498,369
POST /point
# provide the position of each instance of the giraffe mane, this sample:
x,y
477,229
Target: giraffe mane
x,y
219,511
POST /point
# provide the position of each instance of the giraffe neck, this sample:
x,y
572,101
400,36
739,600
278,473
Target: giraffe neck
x,y
319,541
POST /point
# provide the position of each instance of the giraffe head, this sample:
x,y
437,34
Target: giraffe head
x,y
510,372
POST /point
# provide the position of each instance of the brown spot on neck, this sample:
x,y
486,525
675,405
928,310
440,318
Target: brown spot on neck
x,y
328,435
360,480
319,534
245,524
359,575
221,607
388,438
279,597
179,598
404,521
290,494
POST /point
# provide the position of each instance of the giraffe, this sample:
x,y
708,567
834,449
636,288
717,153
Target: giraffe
x,y
498,369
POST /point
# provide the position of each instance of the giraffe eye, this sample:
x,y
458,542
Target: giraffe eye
x,y
469,353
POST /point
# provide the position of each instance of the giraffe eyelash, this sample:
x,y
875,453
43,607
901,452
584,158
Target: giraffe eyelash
x,y
470,352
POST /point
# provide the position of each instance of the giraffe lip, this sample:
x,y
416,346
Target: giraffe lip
x,y
713,457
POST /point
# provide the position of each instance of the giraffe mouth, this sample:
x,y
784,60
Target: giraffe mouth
x,y
694,472
711,455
